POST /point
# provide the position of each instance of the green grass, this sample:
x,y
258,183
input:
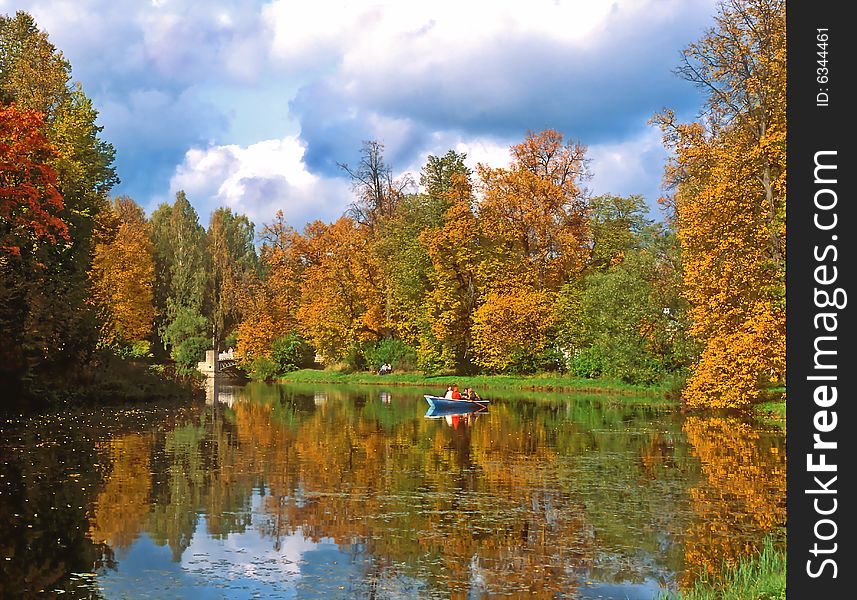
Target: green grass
x,y
773,409
758,577
545,382
772,406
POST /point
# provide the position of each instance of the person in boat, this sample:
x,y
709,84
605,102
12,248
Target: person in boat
x,y
470,394
448,394
456,395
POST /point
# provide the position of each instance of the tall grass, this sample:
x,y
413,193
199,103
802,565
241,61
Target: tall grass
x,y
761,576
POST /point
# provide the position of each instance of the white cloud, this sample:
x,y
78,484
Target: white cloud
x,y
371,37
633,166
168,75
258,180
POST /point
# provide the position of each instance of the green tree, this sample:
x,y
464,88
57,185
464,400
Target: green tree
x,y
181,260
455,283
615,226
233,259
633,315
186,337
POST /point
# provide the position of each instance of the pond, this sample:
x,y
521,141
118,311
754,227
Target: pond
x,y
286,491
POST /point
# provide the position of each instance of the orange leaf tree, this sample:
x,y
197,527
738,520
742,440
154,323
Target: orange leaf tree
x,y
123,276
728,173
30,202
532,216
342,293
270,302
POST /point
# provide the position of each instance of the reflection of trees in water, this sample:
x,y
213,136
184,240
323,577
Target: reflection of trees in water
x,y
743,493
121,508
530,500
48,474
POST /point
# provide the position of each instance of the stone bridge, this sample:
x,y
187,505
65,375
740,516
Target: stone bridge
x,y
223,363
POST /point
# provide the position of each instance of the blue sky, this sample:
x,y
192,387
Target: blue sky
x,y
250,104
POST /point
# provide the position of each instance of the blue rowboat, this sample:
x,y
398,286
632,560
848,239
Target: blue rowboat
x,y
439,404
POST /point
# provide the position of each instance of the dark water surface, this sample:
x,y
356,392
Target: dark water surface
x,y
278,491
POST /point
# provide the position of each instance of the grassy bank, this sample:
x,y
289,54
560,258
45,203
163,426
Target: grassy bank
x,y
758,577
545,382
771,409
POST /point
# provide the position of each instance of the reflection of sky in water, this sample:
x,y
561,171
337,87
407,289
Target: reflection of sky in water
x,y
627,591
239,565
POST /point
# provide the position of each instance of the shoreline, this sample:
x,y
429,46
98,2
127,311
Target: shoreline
x,y
533,383
770,409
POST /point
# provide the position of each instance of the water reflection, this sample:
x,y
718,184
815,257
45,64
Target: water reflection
x,y
309,492
454,420
223,390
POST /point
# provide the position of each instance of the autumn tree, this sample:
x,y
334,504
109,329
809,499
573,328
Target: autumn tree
x,y
534,212
512,331
59,327
532,216
271,299
123,274
728,174
31,225
30,203
342,294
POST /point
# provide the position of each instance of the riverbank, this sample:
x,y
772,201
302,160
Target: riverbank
x,y
544,382
772,409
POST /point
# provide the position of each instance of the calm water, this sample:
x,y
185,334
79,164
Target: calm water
x,y
334,492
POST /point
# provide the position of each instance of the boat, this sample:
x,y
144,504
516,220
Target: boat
x,y
438,403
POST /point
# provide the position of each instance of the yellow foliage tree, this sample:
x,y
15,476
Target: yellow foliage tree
x,y
455,253
342,294
270,302
533,212
510,326
123,274
729,173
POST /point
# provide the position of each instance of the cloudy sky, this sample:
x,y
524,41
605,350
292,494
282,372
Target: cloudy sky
x,y
251,104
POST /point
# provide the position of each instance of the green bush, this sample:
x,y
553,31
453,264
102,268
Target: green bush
x,y
188,353
527,363
396,352
290,353
587,362
141,349
186,337
354,359
262,369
